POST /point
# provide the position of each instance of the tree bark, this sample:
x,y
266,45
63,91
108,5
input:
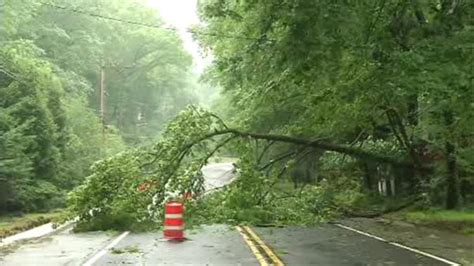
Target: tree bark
x,y
318,144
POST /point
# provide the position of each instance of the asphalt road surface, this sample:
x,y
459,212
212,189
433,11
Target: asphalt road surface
x,y
327,244
217,175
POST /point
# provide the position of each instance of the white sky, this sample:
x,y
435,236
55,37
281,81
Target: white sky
x,y
182,14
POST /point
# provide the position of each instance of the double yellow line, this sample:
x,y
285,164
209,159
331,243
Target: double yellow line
x,y
262,252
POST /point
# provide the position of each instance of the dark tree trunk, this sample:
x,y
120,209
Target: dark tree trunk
x,y
389,186
367,177
413,110
452,191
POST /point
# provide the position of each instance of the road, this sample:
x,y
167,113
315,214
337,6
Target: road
x,y
217,175
327,244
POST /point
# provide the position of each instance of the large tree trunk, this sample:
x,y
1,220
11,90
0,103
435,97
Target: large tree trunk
x,y
317,144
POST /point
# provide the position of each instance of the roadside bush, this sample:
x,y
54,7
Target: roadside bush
x,y
109,197
39,195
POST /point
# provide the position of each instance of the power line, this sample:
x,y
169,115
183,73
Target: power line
x,y
241,37
82,12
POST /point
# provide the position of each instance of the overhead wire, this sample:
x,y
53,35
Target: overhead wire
x,y
83,12
80,11
156,26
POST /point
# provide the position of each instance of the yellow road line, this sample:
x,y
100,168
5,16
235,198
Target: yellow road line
x,y
275,260
254,249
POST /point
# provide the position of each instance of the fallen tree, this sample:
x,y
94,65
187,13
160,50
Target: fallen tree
x,y
318,144
130,188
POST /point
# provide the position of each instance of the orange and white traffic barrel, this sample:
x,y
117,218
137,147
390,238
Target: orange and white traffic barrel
x,y
174,223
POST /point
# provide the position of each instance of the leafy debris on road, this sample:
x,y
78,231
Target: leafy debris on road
x,y
127,249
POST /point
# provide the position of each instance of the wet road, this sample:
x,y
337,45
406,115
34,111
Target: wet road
x,y
217,175
214,245
222,245
210,245
326,244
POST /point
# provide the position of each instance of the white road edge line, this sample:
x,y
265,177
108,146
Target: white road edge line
x,y
101,253
400,246
36,232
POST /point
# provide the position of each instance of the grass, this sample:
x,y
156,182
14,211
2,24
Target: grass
x,y
461,221
442,215
10,225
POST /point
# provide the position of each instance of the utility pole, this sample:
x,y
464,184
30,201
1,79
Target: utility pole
x,y
102,100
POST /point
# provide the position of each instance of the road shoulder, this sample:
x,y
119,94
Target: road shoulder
x,y
452,246
62,247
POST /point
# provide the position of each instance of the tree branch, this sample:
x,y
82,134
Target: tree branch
x,y
318,144
282,171
404,136
279,158
218,146
265,149
358,153
394,129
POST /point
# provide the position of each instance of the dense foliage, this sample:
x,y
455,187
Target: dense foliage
x,y
370,74
53,55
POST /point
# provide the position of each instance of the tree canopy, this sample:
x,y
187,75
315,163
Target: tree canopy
x,y
53,55
391,71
